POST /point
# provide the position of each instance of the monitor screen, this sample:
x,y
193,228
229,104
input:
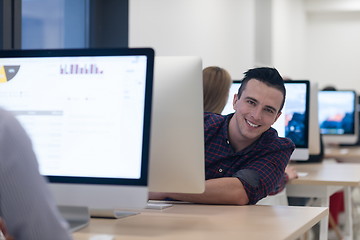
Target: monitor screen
x,y
87,112
294,120
177,162
234,87
338,118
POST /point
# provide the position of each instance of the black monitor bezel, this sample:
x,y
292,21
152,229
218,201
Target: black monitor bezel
x,y
307,110
149,53
355,105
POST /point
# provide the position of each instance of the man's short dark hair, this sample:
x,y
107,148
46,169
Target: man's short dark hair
x,y
267,75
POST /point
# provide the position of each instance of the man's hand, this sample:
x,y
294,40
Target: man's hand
x,y
157,196
226,190
291,172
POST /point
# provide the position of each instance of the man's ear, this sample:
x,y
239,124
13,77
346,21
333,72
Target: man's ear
x,y
235,99
278,115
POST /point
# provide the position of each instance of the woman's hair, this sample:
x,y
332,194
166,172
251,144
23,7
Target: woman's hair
x,y
216,85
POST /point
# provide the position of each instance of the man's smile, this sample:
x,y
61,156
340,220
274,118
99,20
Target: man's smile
x,y
252,124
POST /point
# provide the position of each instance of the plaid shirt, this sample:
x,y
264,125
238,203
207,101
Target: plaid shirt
x,y
260,166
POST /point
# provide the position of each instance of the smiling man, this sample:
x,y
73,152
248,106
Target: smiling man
x,y
245,158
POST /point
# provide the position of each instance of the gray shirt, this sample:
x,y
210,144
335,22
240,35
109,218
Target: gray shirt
x,y
26,204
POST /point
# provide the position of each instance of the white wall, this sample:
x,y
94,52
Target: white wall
x,y
220,31
263,33
309,39
334,49
289,38
318,40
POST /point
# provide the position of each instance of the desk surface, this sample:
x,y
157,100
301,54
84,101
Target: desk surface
x,y
343,154
334,174
323,180
191,221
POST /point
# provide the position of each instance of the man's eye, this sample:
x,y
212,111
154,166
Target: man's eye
x,y
269,110
251,102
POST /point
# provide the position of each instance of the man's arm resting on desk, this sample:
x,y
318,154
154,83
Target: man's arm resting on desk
x,y
227,190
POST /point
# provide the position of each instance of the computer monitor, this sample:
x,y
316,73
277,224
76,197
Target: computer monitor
x,y
338,117
294,121
314,129
88,113
177,162
234,88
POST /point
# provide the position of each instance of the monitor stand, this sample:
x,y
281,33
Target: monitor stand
x,y
77,217
111,214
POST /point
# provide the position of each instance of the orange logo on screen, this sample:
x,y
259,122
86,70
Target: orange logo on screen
x,y
8,72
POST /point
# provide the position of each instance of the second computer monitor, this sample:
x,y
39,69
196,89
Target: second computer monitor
x,y
338,117
294,120
177,162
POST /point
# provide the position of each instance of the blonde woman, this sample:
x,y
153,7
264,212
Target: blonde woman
x,y
216,85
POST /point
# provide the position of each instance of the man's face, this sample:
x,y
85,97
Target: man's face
x,y
256,110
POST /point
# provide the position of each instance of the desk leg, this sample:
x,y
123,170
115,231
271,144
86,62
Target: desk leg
x,y
324,223
348,213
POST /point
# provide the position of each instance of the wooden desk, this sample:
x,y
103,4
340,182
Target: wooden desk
x,y
209,222
323,180
350,154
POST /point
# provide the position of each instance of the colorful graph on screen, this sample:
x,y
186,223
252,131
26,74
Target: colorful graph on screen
x,y
8,72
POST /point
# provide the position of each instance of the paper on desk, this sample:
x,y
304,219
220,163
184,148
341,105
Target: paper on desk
x,y
302,174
